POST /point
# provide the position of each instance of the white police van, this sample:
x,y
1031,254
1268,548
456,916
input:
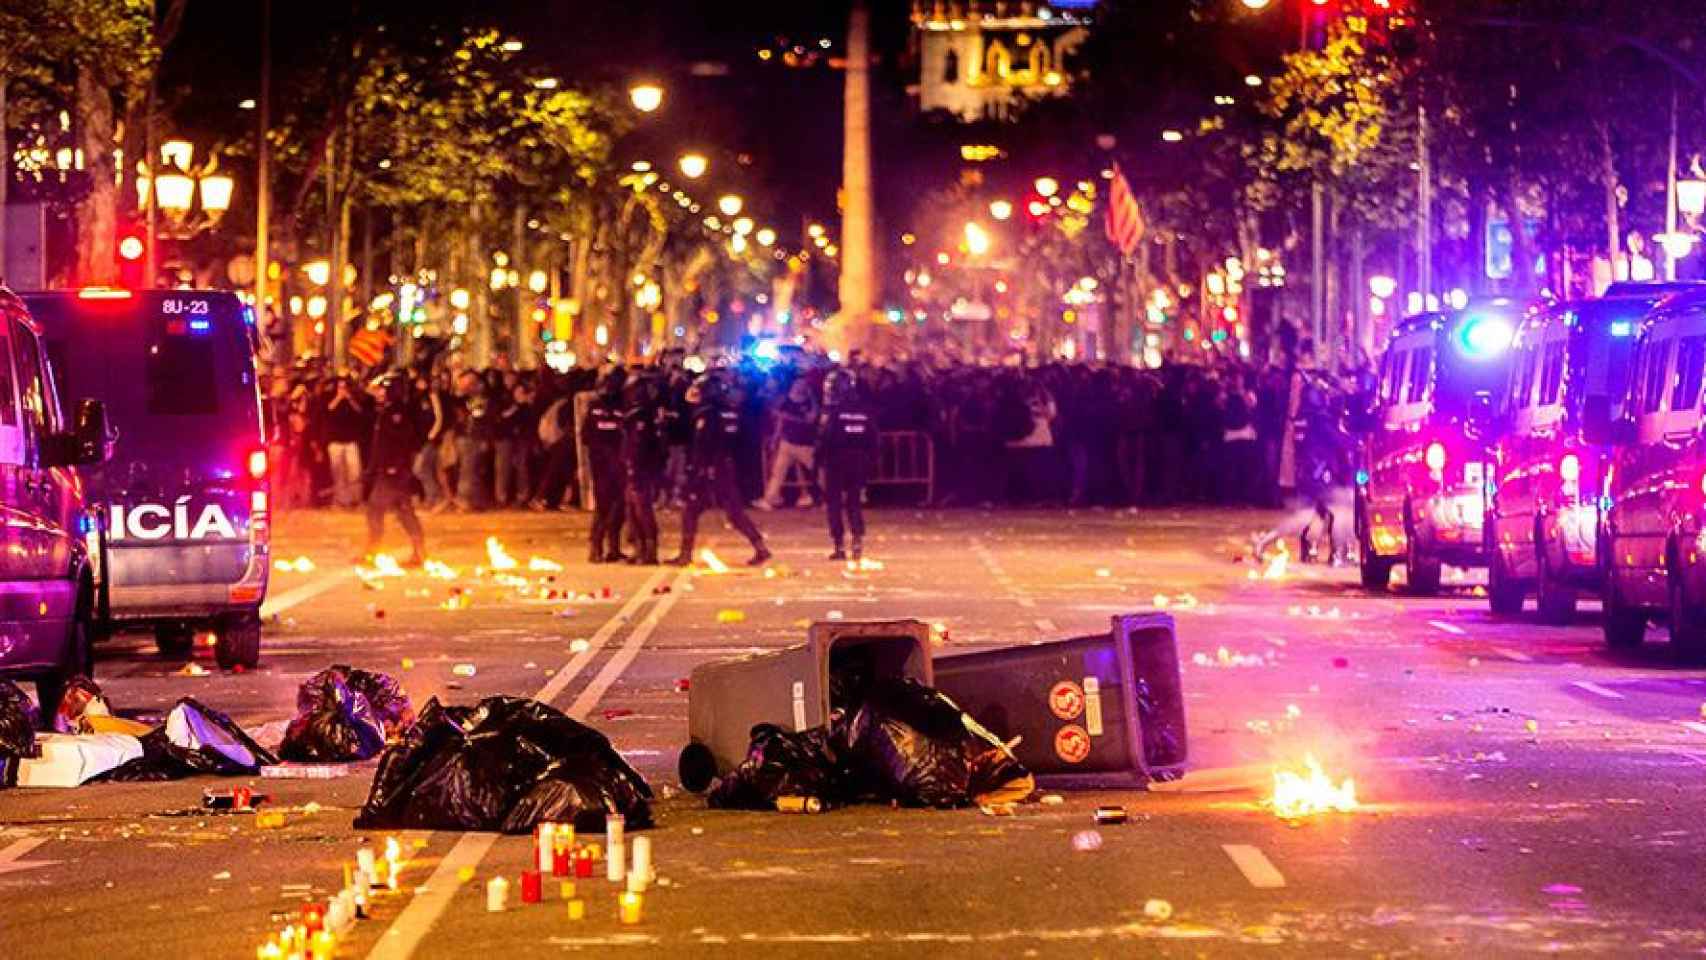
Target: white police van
x,y
185,501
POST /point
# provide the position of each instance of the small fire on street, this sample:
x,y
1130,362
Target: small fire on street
x,y
1308,791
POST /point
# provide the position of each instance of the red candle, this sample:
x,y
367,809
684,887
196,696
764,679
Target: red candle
x,y
313,917
560,862
583,863
532,886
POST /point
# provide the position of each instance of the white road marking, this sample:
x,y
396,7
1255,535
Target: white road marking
x,y
308,591
399,940
578,662
10,861
1450,628
1697,758
1046,625
630,649
404,935
1025,602
1255,866
1695,725
1516,655
1597,690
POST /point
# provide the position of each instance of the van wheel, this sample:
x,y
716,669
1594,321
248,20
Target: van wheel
x,y
239,643
697,767
174,640
1376,570
1505,595
1555,600
1421,572
1625,627
1687,621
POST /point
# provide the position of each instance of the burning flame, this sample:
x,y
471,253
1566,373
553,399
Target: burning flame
x,y
498,556
863,565
712,562
299,565
542,565
1310,791
384,565
439,570
1275,568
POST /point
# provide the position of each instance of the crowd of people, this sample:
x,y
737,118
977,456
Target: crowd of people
x,y
1074,434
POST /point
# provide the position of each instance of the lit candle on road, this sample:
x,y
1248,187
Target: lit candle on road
x,y
532,886
497,891
616,863
643,858
545,847
614,825
577,909
630,908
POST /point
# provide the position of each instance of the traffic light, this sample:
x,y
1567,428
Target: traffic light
x,y
132,254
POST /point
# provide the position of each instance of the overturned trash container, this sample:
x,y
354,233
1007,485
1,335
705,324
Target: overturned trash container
x,y
1102,710
795,688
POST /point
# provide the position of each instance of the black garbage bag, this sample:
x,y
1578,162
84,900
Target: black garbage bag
x,y
780,763
390,704
194,739
504,765
910,744
334,722
18,721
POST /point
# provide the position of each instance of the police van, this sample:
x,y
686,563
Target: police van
x,y
184,501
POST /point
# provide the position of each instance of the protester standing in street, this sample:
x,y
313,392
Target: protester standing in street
x,y
847,449
796,429
643,462
398,432
711,471
601,434
346,422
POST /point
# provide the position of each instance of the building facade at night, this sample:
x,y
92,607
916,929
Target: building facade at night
x,y
980,59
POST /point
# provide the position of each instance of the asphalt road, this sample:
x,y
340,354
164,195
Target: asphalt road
x,y
1524,790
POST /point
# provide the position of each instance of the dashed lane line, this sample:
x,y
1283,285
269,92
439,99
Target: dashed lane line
x,y
1255,866
1516,655
296,596
1596,689
1450,628
1695,725
562,678
1046,625
630,649
405,934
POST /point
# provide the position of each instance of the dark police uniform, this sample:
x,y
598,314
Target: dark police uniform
x,y
601,432
712,479
398,433
643,456
846,452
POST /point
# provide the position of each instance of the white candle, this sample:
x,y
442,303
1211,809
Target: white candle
x,y
364,859
497,891
613,826
546,846
615,860
643,858
636,882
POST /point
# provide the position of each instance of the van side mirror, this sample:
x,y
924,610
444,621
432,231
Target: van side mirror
x,y
88,441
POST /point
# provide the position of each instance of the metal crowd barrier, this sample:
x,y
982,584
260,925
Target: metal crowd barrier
x,y
905,458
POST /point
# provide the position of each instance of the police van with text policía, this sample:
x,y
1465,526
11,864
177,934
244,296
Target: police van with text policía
x,y
185,497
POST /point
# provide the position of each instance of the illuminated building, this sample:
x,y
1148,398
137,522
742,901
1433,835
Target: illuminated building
x,y
982,58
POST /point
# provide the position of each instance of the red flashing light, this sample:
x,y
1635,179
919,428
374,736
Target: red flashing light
x,y
1436,457
258,464
103,293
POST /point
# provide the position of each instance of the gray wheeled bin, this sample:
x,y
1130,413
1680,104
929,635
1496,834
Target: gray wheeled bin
x,y
792,688
1103,710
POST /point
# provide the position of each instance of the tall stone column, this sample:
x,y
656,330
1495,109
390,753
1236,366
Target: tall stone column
x,y
851,328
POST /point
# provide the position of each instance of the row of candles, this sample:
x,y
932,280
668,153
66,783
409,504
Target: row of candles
x,y
315,935
557,855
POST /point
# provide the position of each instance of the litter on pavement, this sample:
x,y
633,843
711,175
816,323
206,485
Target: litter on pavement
x,y
345,714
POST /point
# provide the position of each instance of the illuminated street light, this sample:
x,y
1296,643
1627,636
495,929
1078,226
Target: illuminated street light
x,y
1001,209
977,239
1257,4
743,226
693,165
1172,136
177,153
516,46
814,230
1046,186
216,193
537,281
1251,80
319,272
765,237
646,97
1382,286
1691,197
175,192
730,204
460,299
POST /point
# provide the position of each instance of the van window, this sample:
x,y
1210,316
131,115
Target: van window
x,y
1526,362
1421,360
1552,375
8,399
32,392
1656,365
1690,356
1391,374
180,380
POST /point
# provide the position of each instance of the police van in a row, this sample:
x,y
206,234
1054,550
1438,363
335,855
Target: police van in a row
x,y
183,505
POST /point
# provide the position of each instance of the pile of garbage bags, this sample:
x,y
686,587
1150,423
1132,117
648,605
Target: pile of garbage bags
x,y
504,765
344,714
902,742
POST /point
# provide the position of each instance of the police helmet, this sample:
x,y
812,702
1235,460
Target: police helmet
x,y
839,386
641,391
610,382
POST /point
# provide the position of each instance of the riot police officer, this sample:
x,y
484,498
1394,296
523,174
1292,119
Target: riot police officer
x,y
846,451
398,433
643,456
711,471
601,436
